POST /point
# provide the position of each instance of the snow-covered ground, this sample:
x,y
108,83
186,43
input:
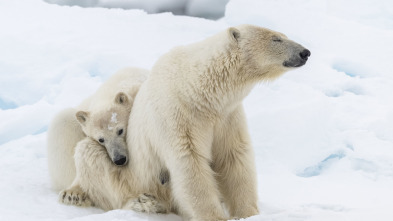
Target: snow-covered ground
x,y
211,9
323,134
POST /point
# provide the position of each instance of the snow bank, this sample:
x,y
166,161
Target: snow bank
x,y
211,9
323,134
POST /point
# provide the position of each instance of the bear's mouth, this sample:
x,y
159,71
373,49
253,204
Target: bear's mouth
x,y
294,64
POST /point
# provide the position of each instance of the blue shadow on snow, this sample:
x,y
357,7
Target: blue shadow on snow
x,y
317,169
6,105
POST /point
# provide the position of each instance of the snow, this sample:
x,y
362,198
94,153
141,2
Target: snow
x,y
322,134
114,118
211,9
112,121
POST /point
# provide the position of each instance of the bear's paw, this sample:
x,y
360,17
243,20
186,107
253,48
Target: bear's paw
x,y
146,203
76,197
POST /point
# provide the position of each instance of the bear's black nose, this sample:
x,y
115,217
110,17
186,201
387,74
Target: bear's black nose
x,y
120,160
305,54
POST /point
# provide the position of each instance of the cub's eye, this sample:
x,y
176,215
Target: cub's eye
x,y
120,132
101,140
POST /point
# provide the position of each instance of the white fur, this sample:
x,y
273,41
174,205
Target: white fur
x,y
65,131
188,118
101,183
63,134
81,167
188,123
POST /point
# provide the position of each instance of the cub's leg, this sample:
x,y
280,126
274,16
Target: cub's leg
x,y
97,176
75,196
106,185
233,161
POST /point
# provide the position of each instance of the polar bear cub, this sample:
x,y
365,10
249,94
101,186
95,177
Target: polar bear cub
x,y
101,183
103,116
99,121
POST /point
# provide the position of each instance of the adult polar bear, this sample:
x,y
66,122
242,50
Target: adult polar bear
x,y
188,118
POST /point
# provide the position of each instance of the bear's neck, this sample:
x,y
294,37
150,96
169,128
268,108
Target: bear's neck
x,y
218,87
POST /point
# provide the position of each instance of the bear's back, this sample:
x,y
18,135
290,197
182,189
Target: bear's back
x,y
126,80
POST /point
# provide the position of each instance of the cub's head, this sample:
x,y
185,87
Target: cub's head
x,y
108,127
266,54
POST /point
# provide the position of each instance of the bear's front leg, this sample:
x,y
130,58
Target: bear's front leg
x,y
233,161
194,186
75,196
146,203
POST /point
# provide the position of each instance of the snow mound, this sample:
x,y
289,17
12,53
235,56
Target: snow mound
x,y
210,9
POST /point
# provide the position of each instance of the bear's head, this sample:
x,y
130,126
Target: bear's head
x,y
108,127
266,54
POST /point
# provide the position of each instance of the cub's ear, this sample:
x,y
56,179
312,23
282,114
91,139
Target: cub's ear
x,y
234,34
121,98
82,117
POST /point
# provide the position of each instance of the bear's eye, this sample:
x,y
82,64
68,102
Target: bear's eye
x,y
276,39
101,140
120,132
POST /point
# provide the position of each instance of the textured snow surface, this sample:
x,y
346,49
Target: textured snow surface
x,y
211,9
322,134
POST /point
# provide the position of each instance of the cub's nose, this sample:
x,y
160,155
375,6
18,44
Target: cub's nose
x,y
120,160
305,54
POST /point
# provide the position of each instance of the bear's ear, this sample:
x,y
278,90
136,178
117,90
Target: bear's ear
x,y
82,116
234,34
121,98
134,90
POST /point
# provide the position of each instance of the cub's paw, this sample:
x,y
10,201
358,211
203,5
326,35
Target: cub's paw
x,y
146,203
75,197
